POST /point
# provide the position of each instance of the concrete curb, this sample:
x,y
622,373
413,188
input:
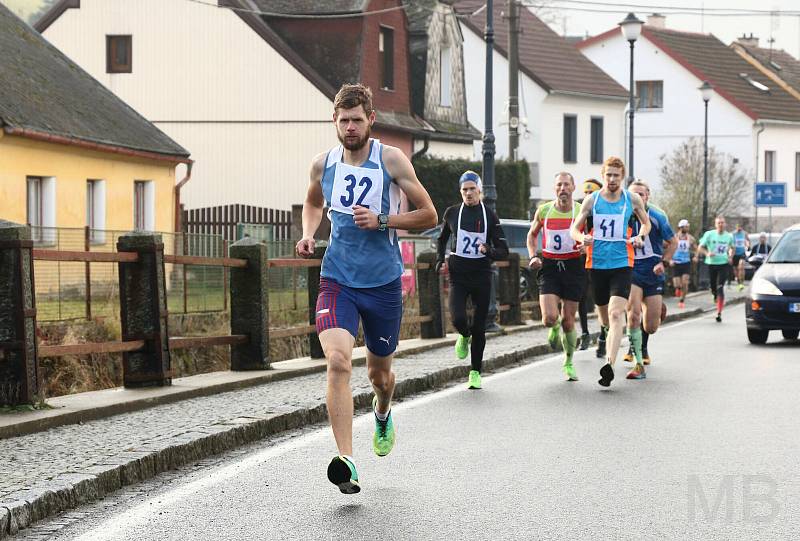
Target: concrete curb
x,y
20,509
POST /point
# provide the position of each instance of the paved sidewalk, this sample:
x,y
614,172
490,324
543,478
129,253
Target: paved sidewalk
x,y
43,473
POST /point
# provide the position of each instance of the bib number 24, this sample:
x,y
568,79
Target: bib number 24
x,y
347,199
471,247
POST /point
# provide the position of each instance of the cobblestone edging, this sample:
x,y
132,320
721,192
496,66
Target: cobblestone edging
x,y
20,509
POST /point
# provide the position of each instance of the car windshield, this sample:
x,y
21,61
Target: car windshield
x,y
788,249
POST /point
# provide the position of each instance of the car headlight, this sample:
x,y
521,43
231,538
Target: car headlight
x,y
760,286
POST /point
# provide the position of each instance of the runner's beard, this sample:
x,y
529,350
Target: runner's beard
x,y
353,145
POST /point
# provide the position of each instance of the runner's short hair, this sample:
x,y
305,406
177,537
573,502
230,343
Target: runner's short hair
x,y
613,161
566,174
350,96
640,182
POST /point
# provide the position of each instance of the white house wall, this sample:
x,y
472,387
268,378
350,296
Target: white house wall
x,y
784,140
541,138
552,122
209,81
252,164
447,150
658,132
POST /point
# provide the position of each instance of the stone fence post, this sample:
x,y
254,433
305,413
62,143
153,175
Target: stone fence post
x,y
509,291
313,292
19,369
143,311
429,286
250,305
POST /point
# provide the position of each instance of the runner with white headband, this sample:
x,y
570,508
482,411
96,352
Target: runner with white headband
x,y
561,277
607,215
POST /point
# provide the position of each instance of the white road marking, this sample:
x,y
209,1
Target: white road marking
x,y
140,515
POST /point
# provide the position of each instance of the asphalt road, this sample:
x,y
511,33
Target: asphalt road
x,y
706,448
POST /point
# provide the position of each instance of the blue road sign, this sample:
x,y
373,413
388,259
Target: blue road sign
x,y
770,194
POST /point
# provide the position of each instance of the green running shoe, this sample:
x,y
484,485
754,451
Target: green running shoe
x,y
342,473
554,336
383,437
474,380
569,371
462,346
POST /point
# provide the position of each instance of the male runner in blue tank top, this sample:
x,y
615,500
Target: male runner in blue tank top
x,y
360,182
606,215
741,244
645,306
682,262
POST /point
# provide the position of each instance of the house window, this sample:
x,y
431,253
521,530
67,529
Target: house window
x,y
386,60
144,205
797,171
41,208
596,152
96,210
445,80
570,139
650,94
118,54
769,166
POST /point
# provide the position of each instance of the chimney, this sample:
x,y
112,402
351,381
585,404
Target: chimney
x,y
748,41
657,20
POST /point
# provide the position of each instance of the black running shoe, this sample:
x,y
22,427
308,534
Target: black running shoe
x,y
586,339
606,375
601,348
719,318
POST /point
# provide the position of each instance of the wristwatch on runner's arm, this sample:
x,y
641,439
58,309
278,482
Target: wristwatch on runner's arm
x,y
383,222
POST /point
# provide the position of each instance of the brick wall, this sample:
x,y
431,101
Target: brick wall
x,y
398,99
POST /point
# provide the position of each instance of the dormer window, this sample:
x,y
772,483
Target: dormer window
x,y
755,84
445,76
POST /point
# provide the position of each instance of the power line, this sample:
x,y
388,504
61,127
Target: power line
x,y
346,15
683,8
623,10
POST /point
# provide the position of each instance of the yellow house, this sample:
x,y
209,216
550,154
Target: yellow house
x,y
72,154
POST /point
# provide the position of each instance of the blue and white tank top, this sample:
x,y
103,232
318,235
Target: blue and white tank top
x,y
681,254
357,257
739,242
611,247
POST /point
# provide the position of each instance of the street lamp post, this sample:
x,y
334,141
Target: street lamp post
x,y
489,190
706,90
631,28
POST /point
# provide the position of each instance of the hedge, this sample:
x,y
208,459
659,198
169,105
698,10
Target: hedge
x,y
440,178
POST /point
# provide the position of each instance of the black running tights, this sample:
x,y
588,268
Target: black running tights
x,y
479,293
718,275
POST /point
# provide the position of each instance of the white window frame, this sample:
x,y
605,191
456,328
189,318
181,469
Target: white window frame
x,y
41,209
144,205
96,210
770,159
446,76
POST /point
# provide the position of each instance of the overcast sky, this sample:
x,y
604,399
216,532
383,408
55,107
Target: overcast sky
x,y
785,29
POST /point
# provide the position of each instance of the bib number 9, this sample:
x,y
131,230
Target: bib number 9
x,y
557,242
471,245
365,183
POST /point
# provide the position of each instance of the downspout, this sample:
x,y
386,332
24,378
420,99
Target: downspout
x,y
421,152
758,153
177,197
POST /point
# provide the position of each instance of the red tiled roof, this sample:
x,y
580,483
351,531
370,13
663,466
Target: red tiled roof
x,y
547,58
711,60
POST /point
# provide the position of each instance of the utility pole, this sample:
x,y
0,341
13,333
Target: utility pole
x,y
489,190
513,79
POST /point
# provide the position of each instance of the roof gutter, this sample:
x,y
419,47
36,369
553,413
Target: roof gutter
x,y
588,95
177,197
89,145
